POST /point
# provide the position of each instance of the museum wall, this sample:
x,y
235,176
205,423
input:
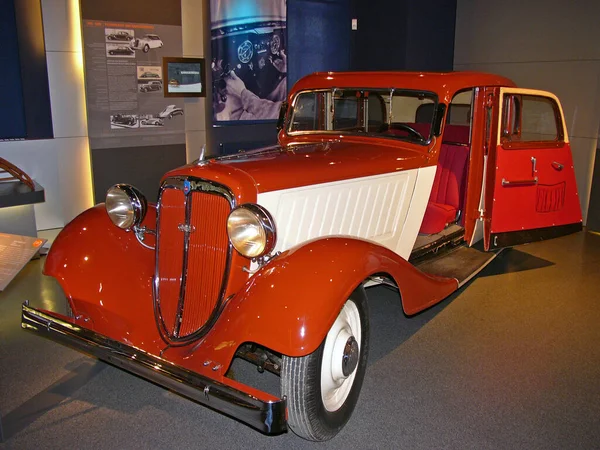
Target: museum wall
x,y
544,44
193,13
404,35
61,164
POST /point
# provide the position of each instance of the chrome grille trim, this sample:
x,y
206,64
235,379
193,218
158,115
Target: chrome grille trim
x,y
188,185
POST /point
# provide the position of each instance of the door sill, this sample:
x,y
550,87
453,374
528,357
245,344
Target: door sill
x,y
461,263
432,245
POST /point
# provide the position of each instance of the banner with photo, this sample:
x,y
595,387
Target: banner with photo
x,y
249,59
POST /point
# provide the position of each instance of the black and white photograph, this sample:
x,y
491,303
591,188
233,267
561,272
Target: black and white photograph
x,y
147,42
249,59
118,35
170,111
148,73
148,86
119,51
122,121
150,121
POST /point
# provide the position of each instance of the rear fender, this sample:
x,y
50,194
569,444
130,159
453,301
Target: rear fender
x,y
106,275
290,304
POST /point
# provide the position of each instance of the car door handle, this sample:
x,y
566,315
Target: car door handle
x,y
509,183
557,165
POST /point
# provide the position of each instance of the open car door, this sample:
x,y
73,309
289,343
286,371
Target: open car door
x,y
533,180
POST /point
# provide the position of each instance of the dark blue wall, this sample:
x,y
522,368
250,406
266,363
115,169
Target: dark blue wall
x,y
319,37
404,35
430,35
380,41
12,115
25,103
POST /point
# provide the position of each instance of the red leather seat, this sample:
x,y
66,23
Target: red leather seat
x,y
447,194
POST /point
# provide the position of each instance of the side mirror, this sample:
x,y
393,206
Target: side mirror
x,y
281,119
439,119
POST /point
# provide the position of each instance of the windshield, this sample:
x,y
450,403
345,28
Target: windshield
x,y
398,113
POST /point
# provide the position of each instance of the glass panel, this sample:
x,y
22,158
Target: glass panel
x,y
308,112
530,118
459,112
347,106
412,116
403,114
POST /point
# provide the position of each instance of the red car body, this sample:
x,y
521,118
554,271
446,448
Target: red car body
x,y
127,298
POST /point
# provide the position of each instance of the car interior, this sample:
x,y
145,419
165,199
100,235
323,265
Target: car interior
x,y
444,216
406,115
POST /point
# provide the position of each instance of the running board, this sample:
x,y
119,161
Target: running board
x,y
461,263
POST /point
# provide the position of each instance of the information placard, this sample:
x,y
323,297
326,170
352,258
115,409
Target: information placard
x,y
15,252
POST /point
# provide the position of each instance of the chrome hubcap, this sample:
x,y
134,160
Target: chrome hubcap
x,y
350,358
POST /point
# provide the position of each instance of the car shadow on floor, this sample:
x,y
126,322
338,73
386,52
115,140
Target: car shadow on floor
x,y
512,260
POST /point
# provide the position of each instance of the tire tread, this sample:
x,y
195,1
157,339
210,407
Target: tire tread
x,y
300,384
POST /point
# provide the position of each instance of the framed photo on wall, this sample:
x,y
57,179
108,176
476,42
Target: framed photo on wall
x,y
184,77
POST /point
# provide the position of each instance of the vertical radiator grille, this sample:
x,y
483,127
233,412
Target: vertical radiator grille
x,y
192,258
207,259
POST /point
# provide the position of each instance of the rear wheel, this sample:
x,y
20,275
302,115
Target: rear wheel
x,y
322,388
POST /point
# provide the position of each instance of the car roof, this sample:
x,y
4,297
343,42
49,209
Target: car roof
x,y
445,84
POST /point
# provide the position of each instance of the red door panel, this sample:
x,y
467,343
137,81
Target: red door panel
x,y
535,192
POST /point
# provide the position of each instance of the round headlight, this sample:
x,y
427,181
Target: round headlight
x,y
125,205
251,230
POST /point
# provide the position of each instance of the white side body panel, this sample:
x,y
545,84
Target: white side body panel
x,y
387,209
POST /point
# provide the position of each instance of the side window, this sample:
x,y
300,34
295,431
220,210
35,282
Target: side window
x,y
459,111
308,112
457,130
530,118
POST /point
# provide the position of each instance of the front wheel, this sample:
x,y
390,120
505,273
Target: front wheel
x,y
322,388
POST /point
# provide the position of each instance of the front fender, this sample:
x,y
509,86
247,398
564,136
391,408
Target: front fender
x,y
290,304
106,275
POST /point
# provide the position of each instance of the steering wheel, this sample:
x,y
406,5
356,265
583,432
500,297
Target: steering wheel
x,y
402,126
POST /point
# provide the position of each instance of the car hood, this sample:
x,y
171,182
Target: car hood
x,y
283,167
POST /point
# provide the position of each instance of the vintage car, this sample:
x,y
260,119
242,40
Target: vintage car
x,y
121,50
149,75
151,86
119,36
173,82
125,120
412,180
153,121
170,111
146,43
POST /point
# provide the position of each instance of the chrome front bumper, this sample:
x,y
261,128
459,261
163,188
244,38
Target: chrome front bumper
x,y
267,417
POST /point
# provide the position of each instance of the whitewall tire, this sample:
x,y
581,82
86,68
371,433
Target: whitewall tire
x,y
322,388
